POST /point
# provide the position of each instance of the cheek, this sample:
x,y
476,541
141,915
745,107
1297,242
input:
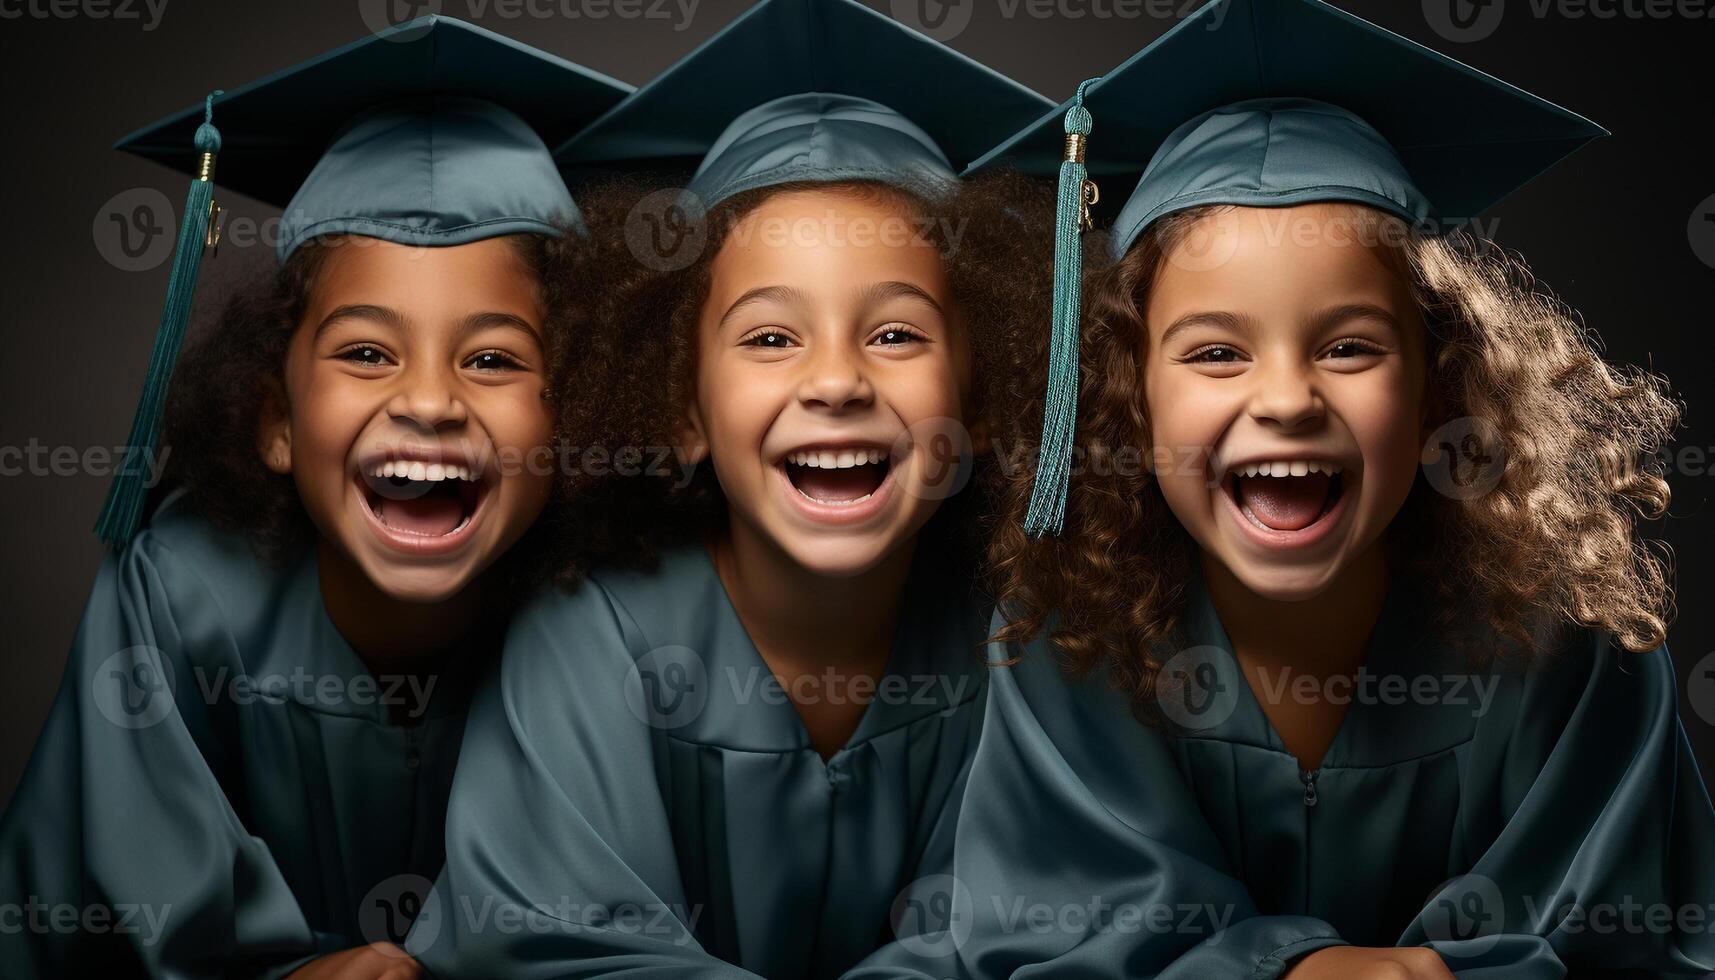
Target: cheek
x,y
1383,414
515,415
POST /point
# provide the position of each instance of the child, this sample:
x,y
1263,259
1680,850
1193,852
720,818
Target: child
x,y
738,746
248,761
1323,717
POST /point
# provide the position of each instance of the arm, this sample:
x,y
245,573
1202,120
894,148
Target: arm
x,y
1081,853
120,822
1591,833
560,859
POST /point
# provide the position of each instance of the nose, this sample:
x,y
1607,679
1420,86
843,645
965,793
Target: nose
x,y
835,380
428,397
1285,396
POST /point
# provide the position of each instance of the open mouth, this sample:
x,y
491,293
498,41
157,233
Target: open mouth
x,y
846,476
1286,496
415,498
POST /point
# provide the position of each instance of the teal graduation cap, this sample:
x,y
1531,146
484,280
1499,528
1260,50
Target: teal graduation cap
x,y
433,133
1270,103
808,90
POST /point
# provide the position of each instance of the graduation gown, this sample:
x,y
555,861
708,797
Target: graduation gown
x,y
1556,826
219,770
635,799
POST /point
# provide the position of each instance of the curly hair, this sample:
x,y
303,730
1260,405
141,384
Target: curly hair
x,y
1552,544
234,366
994,233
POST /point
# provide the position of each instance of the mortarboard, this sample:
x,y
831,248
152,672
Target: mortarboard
x,y
1270,103
809,90
434,133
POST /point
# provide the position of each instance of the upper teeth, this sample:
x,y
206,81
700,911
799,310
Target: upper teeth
x,y
841,459
433,472
1287,468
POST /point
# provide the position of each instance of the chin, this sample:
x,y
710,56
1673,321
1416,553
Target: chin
x,y
417,584
1279,583
837,556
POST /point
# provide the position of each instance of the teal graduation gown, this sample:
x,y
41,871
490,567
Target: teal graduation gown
x,y
1556,826
635,799
219,770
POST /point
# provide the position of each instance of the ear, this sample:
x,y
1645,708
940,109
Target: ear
x,y
274,432
693,435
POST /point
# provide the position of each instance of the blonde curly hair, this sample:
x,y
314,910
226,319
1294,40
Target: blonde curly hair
x,y
1553,544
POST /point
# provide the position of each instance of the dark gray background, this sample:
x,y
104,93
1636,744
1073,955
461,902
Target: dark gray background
x,y
1617,230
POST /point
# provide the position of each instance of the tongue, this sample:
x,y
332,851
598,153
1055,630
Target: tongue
x,y
1285,503
834,486
433,513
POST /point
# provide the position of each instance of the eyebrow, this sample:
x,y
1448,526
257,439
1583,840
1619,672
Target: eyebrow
x,y
1355,311
877,293
786,295
1240,323
398,321
1236,322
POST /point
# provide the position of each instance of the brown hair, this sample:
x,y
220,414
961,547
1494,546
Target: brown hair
x,y
1551,544
640,353
235,365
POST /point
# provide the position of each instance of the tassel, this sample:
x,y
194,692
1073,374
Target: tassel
x,y
1060,405
123,512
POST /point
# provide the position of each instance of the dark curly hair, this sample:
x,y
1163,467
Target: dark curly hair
x,y
995,235
233,366
1551,545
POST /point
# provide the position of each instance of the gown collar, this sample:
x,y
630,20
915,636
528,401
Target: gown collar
x,y
1418,698
934,666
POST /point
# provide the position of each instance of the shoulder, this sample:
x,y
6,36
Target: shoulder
x,y
198,576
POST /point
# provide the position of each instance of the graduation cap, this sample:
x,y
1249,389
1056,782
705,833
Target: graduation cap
x,y
808,90
432,133
1271,103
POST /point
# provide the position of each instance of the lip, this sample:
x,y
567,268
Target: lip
x,y
422,545
1269,539
838,515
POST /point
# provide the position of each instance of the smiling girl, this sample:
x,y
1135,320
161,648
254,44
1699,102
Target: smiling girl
x,y
1362,675
739,745
260,716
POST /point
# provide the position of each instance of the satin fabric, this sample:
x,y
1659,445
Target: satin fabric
x,y
1509,834
587,791
821,137
1271,153
262,822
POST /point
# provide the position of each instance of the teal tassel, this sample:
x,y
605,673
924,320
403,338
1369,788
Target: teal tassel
x,y
1060,405
123,512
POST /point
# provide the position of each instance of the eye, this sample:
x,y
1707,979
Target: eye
x,y
897,335
1213,354
367,355
768,338
493,360
1353,347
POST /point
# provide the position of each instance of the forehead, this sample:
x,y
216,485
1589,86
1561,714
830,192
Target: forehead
x,y
1263,260
828,239
473,274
